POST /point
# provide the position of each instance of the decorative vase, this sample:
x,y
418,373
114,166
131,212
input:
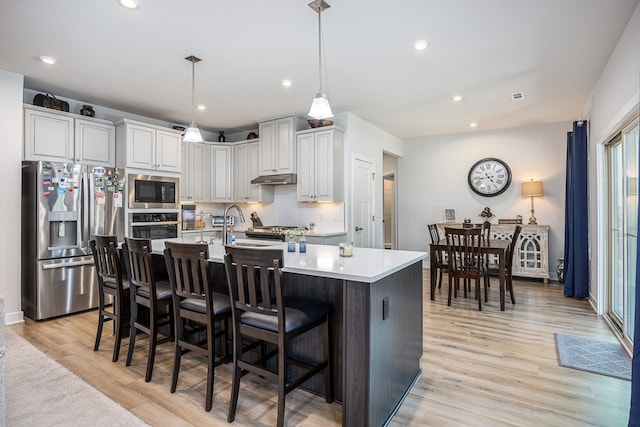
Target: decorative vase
x,y
87,110
303,244
291,244
560,270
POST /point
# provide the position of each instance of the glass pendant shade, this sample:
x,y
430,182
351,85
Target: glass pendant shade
x,y
320,108
192,134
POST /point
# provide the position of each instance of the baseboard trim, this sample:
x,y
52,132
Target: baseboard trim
x,y
12,318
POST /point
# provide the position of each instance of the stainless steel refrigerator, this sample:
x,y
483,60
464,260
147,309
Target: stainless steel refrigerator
x,y
63,206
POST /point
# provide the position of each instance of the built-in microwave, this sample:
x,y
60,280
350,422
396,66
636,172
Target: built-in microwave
x,y
156,192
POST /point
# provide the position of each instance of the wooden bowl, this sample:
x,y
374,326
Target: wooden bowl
x,y
316,123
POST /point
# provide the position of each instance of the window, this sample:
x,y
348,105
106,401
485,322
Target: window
x,y
623,169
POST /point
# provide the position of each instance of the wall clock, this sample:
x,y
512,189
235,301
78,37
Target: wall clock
x,y
489,177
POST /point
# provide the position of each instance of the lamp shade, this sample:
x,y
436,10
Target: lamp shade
x,y
192,134
532,189
320,108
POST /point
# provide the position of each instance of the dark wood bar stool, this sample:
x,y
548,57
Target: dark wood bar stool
x,y
145,291
109,268
262,314
197,310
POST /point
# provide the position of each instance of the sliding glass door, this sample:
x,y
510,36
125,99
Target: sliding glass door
x,y
622,154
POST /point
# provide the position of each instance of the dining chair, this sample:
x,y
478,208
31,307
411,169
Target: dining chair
x,y
261,314
201,315
146,291
111,283
485,234
493,269
440,263
466,260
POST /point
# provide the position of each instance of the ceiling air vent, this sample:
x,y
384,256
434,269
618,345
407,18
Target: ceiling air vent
x,y
517,96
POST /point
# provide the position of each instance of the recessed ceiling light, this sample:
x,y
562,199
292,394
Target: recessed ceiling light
x,y
48,60
129,4
201,107
286,83
473,124
456,98
421,45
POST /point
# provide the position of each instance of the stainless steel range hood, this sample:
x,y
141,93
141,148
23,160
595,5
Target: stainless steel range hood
x,y
285,178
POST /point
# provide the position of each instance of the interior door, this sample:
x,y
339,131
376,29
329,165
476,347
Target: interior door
x,y
362,203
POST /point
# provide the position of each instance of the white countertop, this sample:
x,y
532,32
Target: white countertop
x,y
307,233
366,265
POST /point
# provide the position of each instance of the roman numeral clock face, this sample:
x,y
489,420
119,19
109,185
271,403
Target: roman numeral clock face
x,y
489,177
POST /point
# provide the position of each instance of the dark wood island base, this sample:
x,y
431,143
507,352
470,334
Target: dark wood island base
x,y
377,341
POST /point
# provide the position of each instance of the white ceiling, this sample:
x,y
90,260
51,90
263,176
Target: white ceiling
x,y
552,50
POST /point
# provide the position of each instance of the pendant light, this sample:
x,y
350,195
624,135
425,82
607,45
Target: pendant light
x,y
192,134
320,108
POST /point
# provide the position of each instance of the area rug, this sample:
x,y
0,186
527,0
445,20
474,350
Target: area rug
x,y
591,355
41,392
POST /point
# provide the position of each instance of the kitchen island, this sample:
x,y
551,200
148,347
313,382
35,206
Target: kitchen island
x,y
376,327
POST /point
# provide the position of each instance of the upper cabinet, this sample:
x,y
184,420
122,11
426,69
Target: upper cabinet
x,y
245,168
320,165
220,165
145,146
59,136
194,180
277,145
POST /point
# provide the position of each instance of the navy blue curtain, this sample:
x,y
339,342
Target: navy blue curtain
x,y
576,217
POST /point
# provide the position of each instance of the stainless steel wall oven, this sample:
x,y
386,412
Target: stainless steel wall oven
x,y
153,225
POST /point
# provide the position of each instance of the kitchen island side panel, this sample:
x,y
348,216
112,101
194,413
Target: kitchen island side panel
x,y
383,346
395,340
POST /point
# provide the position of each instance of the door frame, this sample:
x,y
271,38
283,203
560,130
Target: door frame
x,y
351,222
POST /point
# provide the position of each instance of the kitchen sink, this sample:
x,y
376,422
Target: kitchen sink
x,y
252,245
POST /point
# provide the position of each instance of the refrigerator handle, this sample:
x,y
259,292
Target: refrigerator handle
x,y
86,208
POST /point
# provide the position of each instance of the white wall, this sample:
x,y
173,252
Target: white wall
x,y
433,172
368,141
614,101
10,163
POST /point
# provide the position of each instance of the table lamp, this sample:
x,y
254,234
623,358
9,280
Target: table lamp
x,y
532,189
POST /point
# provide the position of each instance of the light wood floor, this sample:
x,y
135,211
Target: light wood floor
x,y
486,368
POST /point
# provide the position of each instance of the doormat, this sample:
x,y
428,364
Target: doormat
x,y
591,355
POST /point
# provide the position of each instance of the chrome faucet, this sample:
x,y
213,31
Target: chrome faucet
x,y
225,237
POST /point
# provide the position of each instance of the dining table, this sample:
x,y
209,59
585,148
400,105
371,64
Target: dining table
x,y
490,247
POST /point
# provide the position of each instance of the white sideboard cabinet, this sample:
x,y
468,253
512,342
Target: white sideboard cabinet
x,y
531,255
148,147
66,137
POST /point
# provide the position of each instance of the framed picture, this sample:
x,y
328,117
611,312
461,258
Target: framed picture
x,y
450,215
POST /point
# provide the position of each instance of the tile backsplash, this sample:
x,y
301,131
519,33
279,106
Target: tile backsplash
x,y
286,210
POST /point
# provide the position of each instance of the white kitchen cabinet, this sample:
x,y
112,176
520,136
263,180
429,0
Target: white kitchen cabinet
x,y
60,136
220,166
245,168
277,154
194,179
320,165
145,146
326,239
